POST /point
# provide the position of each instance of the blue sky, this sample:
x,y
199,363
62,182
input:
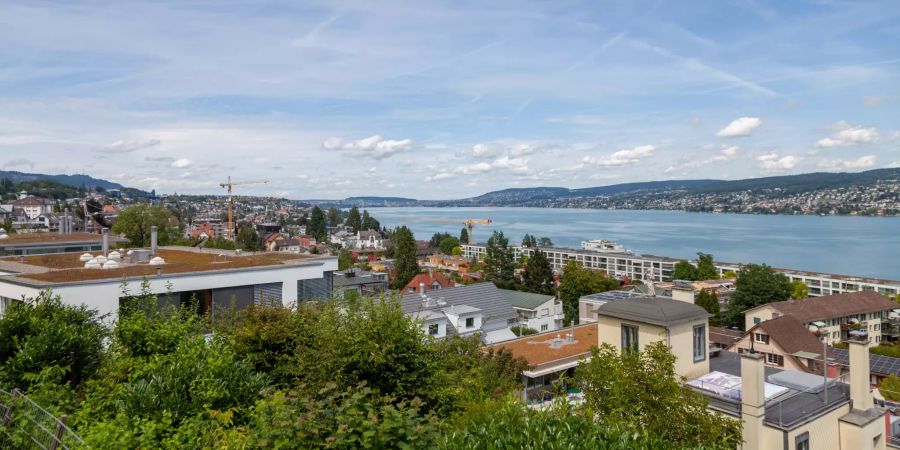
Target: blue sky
x,y
432,99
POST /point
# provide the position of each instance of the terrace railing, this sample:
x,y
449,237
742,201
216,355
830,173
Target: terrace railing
x,y
25,425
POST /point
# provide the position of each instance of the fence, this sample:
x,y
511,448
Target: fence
x,y
24,424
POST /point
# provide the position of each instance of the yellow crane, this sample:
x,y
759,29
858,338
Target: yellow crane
x,y
228,185
469,224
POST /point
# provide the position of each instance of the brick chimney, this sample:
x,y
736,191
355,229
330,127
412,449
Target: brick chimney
x,y
753,399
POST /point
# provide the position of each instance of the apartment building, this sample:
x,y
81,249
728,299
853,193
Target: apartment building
x,y
213,279
835,317
540,312
619,265
822,284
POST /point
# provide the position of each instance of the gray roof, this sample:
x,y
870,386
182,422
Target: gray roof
x,y
484,296
461,310
359,277
653,310
427,315
525,300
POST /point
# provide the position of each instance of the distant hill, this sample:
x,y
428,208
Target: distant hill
x,y
379,201
76,181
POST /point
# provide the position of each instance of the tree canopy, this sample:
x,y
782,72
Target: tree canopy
x,y
464,236
756,284
405,264
136,221
500,268
247,238
577,281
799,290
538,274
709,301
354,220
316,225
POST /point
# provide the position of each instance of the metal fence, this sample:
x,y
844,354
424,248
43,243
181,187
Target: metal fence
x,y
24,424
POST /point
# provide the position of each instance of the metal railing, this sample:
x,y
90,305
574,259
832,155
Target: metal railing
x,y
24,424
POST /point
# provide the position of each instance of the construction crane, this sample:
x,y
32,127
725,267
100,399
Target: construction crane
x,y
228,185
469,224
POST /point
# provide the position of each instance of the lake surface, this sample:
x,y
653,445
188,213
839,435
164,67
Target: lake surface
x,y
865,246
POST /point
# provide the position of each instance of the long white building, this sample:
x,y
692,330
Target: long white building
x,y
634,267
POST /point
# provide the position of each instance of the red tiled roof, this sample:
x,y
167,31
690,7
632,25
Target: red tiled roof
x,y
833,306
429,279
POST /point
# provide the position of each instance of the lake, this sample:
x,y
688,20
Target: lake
x,y
864,246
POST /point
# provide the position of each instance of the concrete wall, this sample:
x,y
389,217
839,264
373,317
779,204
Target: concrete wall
x,y
679,339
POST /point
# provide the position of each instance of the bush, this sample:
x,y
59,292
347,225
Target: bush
x,y
522,331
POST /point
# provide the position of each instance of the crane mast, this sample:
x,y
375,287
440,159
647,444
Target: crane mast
x,y
228,185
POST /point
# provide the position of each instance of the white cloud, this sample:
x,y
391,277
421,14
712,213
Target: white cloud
x,y
513,164
128,146
740,127
374,147
181,163
473,168
894,164
622,157
773,161
727,153
845,134
20,162
439,176
859,163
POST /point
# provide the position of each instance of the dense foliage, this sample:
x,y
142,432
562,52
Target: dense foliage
x,y
538,274
709,301
500,268
704,270
406,265
316,225
354,219
799,290
135,223
578,281
756,284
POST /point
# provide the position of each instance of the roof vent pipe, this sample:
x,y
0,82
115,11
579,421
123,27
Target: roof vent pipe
x,y
105,241
153,239
422,289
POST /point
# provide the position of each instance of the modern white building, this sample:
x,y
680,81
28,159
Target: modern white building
x,y
540,312
821,284
633,267
177,275
463,310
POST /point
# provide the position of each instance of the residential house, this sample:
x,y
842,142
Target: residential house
x,y
785,343
836,317
204,231
463,310
359,282
552,358
721,338
588,304
540,312
633,323
429,281
32,206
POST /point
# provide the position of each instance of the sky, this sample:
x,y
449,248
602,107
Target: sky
x,y
445,99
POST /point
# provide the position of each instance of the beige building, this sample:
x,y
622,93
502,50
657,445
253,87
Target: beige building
x,y
784,343
835,317
636,322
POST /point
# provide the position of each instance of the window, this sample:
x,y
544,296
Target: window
x,y
801,442
699,342
761,338
775,360
756,320
545,327
411,290
470,322
835,335
629,338
433,329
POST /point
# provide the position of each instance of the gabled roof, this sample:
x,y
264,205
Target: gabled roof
x,y
526,300
724,336
832,306
366,234
430,279
484,296
790,335
653,310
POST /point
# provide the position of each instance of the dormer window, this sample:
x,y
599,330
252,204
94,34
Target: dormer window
x,y
470,322
433,329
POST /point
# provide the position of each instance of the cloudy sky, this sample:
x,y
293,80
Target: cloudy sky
x,y
433,99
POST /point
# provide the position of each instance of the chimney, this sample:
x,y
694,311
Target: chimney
x,y
860,392
753,399
106,242
153,239
422,289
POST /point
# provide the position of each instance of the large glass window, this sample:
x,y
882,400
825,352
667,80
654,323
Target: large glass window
x,y
629,338
699,343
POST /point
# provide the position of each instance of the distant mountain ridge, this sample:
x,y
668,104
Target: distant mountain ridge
x,y
76,180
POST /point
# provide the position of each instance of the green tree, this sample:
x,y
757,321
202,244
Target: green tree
x,y
646,382
684,270
538,274
529,241
436,239
447,244
369,222
135,222
247,238
756,284
890,388
709,301
799,290
729,274
354,221
706,269
8,225
333,216
545,242
345,259
316,225
464,236
499,261
45,340
577,281
456,251
405,264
